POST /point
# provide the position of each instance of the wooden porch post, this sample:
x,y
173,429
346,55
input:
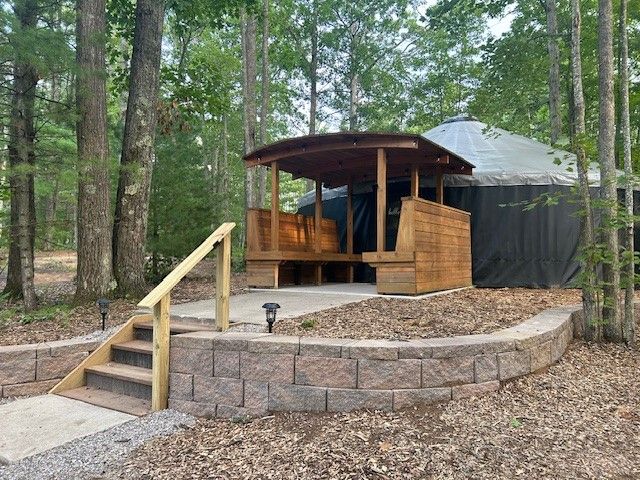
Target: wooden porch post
x,y
439,187
275,206
318,229
415,181
381,213
350,226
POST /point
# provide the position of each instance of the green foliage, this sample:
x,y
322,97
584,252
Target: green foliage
x,y
308,324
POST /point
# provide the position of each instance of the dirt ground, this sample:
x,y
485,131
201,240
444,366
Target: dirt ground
x,y
56,320
464,312
581,419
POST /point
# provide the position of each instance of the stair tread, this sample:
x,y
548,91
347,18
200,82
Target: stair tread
x,y
181,327
122,371
107,399
139,346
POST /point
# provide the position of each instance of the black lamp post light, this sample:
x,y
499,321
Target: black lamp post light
x,y
270,310
103,305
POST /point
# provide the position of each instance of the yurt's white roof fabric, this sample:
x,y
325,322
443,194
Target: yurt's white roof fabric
x,y
503,158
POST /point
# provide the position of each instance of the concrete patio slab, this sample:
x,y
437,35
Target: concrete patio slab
x,y
34,425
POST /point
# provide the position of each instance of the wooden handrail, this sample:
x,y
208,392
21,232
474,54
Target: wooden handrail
x,y
159,301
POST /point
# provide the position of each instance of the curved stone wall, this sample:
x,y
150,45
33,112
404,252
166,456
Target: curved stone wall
x,y
32,369
243,373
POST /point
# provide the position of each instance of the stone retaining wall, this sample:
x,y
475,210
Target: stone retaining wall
x,y
35,368
243,373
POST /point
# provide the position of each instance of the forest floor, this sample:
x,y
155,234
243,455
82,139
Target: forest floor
x,y
464,312
577,420
57,319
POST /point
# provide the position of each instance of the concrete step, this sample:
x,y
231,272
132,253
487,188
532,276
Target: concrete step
x,y
137,353
110,400
121,379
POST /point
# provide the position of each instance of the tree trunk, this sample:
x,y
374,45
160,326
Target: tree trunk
x,y
264,104
136,163
606,153
50,210
248,37
94,222
22,164
587,239
313,78
629,329
224,169
554,71
353,102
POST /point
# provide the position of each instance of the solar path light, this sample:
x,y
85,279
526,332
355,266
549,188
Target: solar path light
x,y
270,310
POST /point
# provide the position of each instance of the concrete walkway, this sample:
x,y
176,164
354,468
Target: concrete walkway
x,y
294,301
34,425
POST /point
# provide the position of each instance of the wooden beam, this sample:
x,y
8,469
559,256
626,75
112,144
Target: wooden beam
x,y
415,181
381,213
350,216
439,187
223,283
160,361
275,206
318,216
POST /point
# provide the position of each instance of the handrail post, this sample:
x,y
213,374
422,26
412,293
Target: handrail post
x,y
223,284
160,365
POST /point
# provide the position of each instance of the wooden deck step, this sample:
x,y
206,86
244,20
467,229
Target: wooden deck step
x,y
137,346
120,371
113,401
179,327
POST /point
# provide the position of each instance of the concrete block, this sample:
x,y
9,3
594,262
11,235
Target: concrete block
x,y
541,356
414,349
420,396
468,345
297,398
389,374
57,367
60,348
347,400
233,412
17,371
203,340
12,353
374,349
275,344
236,341
31,388
513,364
560,344
204,410
324,347
326,372
226,364
486,368
474,389
181,386
256,395
444,372
195,361
225,391
266,367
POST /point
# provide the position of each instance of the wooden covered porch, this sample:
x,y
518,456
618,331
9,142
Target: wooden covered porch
x,y
433,248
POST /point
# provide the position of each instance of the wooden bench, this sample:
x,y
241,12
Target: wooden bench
x,y
297,259
433,250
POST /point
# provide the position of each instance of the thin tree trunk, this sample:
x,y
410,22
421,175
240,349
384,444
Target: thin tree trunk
x,y
224,169
22,164
50,209
313,78
592,329
606,153
264,104
248,37
625,127
94,222
136,163
554,71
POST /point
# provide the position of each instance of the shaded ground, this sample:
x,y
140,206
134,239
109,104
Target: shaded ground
x,y
56,320
469,311
581,419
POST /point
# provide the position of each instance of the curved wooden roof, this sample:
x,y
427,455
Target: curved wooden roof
x,y
334,158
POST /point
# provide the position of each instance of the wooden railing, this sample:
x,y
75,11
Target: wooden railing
x,y
159,301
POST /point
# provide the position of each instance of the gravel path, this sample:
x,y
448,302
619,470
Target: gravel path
x,y
90,457
579,420
465,312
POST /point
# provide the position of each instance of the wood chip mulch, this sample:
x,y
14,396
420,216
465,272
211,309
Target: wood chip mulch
x,y
581,419
464,312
